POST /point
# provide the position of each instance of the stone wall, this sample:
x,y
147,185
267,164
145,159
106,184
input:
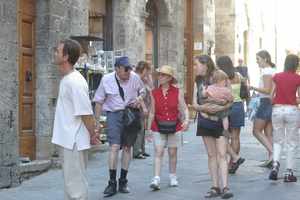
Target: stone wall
x,y
129,31
171,36
129,28
225,28
8,93
58,19
55,20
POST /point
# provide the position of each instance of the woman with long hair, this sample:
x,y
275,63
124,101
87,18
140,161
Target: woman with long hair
x,y
211,130
262,126
236,114
286,117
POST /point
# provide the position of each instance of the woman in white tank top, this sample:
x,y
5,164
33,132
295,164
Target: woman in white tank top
x,y
262,126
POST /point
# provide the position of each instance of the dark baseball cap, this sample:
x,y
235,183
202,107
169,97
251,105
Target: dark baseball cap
x,y
123,61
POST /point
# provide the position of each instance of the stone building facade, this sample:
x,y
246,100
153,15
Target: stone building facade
x,y
9,93
243,27
52,21
225,28
160,31
55,20
29,80
129,19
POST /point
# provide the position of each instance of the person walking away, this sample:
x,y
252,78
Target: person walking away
x,y
119,91
243,71
286,117
167,105
74,124
237,112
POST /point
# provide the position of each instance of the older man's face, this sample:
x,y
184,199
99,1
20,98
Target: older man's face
x,y
123,73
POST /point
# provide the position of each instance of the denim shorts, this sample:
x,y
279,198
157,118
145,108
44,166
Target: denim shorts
x,y
264,110
115,127
237,115
117,133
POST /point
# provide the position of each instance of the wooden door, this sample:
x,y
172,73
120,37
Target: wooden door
x,y
26,22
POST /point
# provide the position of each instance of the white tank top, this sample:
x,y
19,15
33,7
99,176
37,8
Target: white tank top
x,y
265,71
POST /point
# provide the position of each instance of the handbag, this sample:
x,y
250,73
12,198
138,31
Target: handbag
x,y
244,91
129,116
253,107
166,127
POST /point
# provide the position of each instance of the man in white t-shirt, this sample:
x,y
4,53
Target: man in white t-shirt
x,y
74,125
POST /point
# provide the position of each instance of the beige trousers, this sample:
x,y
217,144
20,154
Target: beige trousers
x,y
285,120
74,165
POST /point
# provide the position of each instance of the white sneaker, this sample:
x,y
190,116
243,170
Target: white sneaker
x,y
155,183
173,180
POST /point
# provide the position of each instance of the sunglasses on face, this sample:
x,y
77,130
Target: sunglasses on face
x,y
127,69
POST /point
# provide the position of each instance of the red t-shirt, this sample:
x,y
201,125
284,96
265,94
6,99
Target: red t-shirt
x,y
286,88
166,107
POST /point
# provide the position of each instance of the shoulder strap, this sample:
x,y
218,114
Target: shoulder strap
x,y
121,91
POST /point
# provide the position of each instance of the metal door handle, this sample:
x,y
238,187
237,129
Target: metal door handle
x,y
28,76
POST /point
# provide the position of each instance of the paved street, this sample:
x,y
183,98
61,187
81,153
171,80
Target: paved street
x,y
250,182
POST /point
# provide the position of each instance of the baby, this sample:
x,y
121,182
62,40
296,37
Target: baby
x,y
218,94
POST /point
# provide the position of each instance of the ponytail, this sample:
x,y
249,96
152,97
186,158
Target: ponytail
x,y
266,56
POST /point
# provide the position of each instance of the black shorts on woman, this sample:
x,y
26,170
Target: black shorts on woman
x,y
207,127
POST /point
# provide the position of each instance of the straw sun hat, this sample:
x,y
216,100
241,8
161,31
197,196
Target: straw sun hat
x,y
166,69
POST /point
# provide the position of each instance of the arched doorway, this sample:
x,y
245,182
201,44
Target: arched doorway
x,y
151,32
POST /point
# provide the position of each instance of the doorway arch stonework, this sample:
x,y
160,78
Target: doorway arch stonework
x,y
129,31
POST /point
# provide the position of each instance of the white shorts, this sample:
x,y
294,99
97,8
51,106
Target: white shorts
x,y
166,140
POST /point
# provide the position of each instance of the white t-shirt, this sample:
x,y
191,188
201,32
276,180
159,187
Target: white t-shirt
x,y
73,102
265,71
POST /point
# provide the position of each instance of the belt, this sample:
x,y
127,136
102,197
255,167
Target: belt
x,y
121,110
214,118
133,109
115,111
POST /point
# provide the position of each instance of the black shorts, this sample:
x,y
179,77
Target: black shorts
x,y
216,133
206,127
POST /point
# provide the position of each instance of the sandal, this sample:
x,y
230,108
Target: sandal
x,y
213,192
235,165
226,194
289,177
